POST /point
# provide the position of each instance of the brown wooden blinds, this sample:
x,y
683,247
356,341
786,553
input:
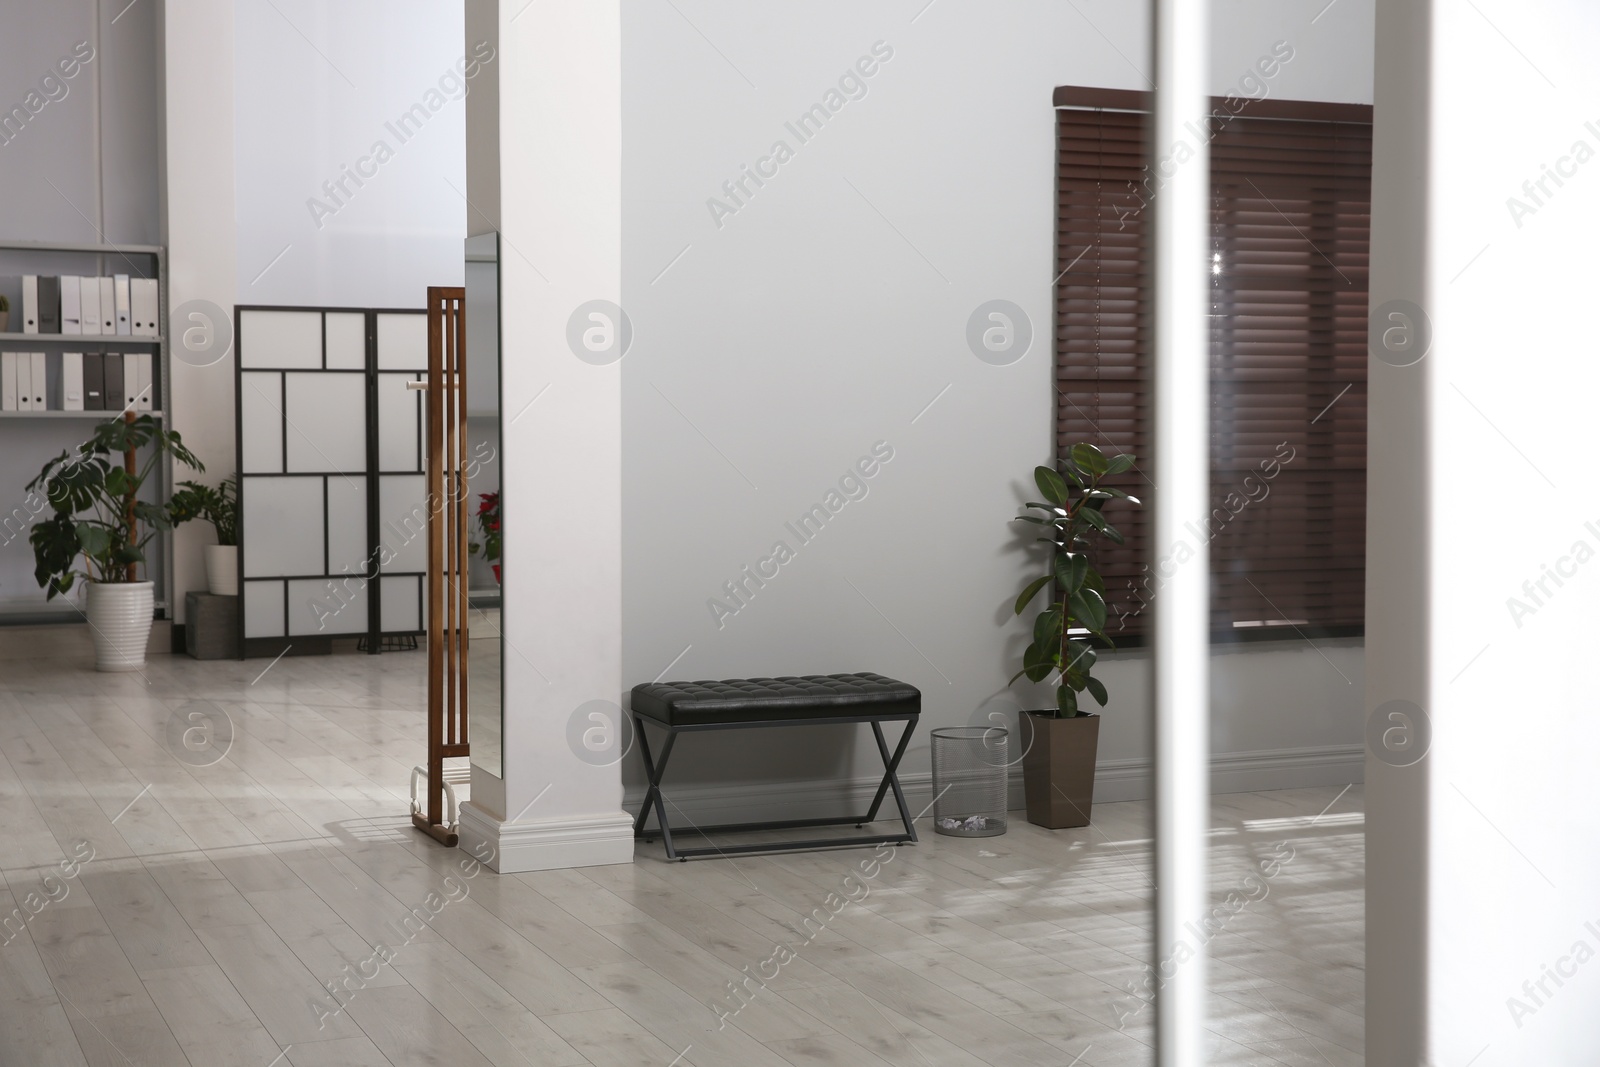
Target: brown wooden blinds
x,y
1290,213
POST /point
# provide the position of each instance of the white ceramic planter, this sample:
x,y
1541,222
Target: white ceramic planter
x,y
222,570
120,614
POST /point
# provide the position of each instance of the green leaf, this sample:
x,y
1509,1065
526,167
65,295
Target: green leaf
x,y
1071,568
1067,701
1088,458
1089,608
1047,628
1112,533
1051,485
93,538
1120,464
1118,494
1097,690
1080,655
117,481
1029,592
1092,580
1093,517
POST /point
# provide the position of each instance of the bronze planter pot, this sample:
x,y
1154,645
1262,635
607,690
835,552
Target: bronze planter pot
x,y
1058,769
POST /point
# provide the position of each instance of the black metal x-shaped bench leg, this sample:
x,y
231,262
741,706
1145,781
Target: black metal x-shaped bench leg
x,y
656,771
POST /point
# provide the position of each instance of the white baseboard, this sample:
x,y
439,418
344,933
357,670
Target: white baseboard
x,y
545,844
1115,780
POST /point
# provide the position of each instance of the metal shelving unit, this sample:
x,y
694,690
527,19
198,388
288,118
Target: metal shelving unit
x,y
108,255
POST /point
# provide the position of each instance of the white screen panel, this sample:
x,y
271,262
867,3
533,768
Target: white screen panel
x,y
403,521
347,340
402,342
322,606
347,525
263,609
280,339
399,423
261,422
327,421
282,521
402,604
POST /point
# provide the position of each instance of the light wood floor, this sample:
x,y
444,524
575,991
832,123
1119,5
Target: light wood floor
x,y
222,898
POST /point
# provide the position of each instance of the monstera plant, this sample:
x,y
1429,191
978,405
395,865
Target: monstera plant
x,y
98,529
1058,765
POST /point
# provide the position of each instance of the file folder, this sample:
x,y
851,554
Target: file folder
x,y
94,381
49,303
24,381
71,304
141,390
72,381
30,303
108,307
124,308
8,381
146,307
89,304
39,381
115,398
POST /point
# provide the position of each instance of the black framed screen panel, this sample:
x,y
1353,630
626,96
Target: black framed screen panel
x,y
312,560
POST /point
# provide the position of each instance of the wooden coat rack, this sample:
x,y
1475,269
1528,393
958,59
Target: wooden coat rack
x,y
446,389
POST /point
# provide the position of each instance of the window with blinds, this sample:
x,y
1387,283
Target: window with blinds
x,y
1291,193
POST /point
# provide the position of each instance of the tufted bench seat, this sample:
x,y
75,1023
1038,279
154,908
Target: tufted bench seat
x,y
743,703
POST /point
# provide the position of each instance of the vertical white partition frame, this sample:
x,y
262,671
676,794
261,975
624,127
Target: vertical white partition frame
x,y
1181,32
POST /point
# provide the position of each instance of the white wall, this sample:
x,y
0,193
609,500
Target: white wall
x,y
829,311
322,91
81,170
1503,812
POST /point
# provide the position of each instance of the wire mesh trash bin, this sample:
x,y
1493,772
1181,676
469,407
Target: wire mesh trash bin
x,y
969,780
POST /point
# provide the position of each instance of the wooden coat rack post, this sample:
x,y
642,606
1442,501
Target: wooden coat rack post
x,y
447,553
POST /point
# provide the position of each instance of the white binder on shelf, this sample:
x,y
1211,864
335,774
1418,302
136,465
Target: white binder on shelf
x,y
146,307
108,307
24,381
39,382
30,303
72,381
124,307
89,305
8,381
141,388
71,304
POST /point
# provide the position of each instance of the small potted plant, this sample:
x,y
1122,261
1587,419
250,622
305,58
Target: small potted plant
x,y
96,514
489,523
1059,762
219,507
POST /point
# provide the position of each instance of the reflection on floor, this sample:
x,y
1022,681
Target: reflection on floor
x,y
273,907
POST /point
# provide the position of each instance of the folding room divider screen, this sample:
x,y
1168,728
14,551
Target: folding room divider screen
x,y
332,494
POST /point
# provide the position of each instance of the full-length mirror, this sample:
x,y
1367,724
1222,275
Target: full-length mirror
x,y
483,472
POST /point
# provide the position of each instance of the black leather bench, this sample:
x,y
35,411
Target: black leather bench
x,y
741,703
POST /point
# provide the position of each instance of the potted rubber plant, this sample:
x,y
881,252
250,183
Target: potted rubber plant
x,y
1058,765
220,507
97,530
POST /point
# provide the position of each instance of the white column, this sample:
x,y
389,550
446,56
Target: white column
x,y
560,106
1483,601
1182,445
197,207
